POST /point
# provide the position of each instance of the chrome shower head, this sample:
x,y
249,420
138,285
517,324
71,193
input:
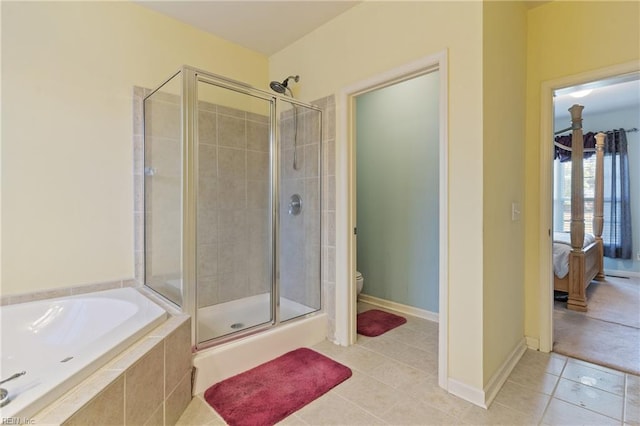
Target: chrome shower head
x,y
278,87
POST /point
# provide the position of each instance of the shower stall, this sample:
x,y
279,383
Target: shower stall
x,y
232,204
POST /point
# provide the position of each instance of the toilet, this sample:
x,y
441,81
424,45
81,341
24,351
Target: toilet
x,y
359,281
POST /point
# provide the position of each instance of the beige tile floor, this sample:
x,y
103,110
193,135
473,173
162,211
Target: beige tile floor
x,y
394,382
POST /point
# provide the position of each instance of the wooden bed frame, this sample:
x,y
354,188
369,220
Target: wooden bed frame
x,y
585,264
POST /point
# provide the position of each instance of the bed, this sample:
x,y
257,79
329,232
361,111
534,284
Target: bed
x,y
580,256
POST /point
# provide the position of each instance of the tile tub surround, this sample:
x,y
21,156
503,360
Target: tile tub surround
x,y
66,291
149,383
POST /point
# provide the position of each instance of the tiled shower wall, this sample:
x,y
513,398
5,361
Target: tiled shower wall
x,y
233,204
300,239
328,197
235,145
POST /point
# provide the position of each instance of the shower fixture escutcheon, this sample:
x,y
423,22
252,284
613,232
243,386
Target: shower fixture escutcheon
x,y
295,205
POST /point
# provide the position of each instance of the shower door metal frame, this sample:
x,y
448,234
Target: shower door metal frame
x,y
189,133
192,77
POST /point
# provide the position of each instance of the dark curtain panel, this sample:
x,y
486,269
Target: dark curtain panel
x,y
617,215
564,155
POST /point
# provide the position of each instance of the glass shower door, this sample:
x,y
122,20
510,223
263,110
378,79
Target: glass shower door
x,y
234,229
163,189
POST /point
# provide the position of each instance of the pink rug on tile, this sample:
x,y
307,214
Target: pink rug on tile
x,y
375,322
271,391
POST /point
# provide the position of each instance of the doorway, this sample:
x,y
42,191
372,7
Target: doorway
x,y
346,219
611,106
598,116
397,174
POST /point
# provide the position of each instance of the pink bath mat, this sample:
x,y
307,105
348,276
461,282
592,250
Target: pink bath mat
x,y
271,391
375,322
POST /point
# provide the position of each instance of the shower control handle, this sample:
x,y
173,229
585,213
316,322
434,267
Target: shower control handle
x,y
295,205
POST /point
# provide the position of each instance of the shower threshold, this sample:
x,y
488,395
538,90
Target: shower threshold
x,y
229,317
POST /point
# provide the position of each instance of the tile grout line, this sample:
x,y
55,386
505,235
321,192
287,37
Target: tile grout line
x,y
553,392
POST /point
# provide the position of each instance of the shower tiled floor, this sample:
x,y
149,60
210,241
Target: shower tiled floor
x,y
395,382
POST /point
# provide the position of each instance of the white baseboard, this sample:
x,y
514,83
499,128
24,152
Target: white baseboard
x,y
399,307
484,397
532,343
502,374
466,392
624,274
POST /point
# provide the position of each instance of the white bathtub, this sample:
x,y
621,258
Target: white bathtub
x,y
59,342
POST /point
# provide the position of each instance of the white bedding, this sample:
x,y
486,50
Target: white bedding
x,y
561,249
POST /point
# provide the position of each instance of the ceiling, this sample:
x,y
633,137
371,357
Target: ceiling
x,y
269,26
605,95
263,26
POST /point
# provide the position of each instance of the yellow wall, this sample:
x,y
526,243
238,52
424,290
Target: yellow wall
x,y
67,78
1,157
564,39
504,68
374,37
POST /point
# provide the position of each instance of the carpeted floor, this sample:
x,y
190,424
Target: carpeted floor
x,y
609,332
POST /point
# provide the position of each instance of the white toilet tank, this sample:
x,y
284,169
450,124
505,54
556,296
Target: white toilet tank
x,y
359,281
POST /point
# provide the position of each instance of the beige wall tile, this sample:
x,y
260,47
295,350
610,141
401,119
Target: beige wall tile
x,y
163,118
232,193
231,132
144,386
178,400
78,397
257,165
133,354
157,418
207,291
39,295
207,161
258,136
231,112
177,355
107,408
259,118
207,128
207,260
232,163
258,195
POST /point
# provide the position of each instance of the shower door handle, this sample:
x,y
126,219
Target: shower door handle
x,y
295,205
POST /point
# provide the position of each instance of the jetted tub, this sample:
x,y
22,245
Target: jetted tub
x,y
60,342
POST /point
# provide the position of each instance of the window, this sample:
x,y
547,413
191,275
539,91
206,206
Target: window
x,y
562,195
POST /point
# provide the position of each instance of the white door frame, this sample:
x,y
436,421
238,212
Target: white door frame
x,y
345,201
546,187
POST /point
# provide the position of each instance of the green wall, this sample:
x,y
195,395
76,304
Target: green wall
x,y
397,191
